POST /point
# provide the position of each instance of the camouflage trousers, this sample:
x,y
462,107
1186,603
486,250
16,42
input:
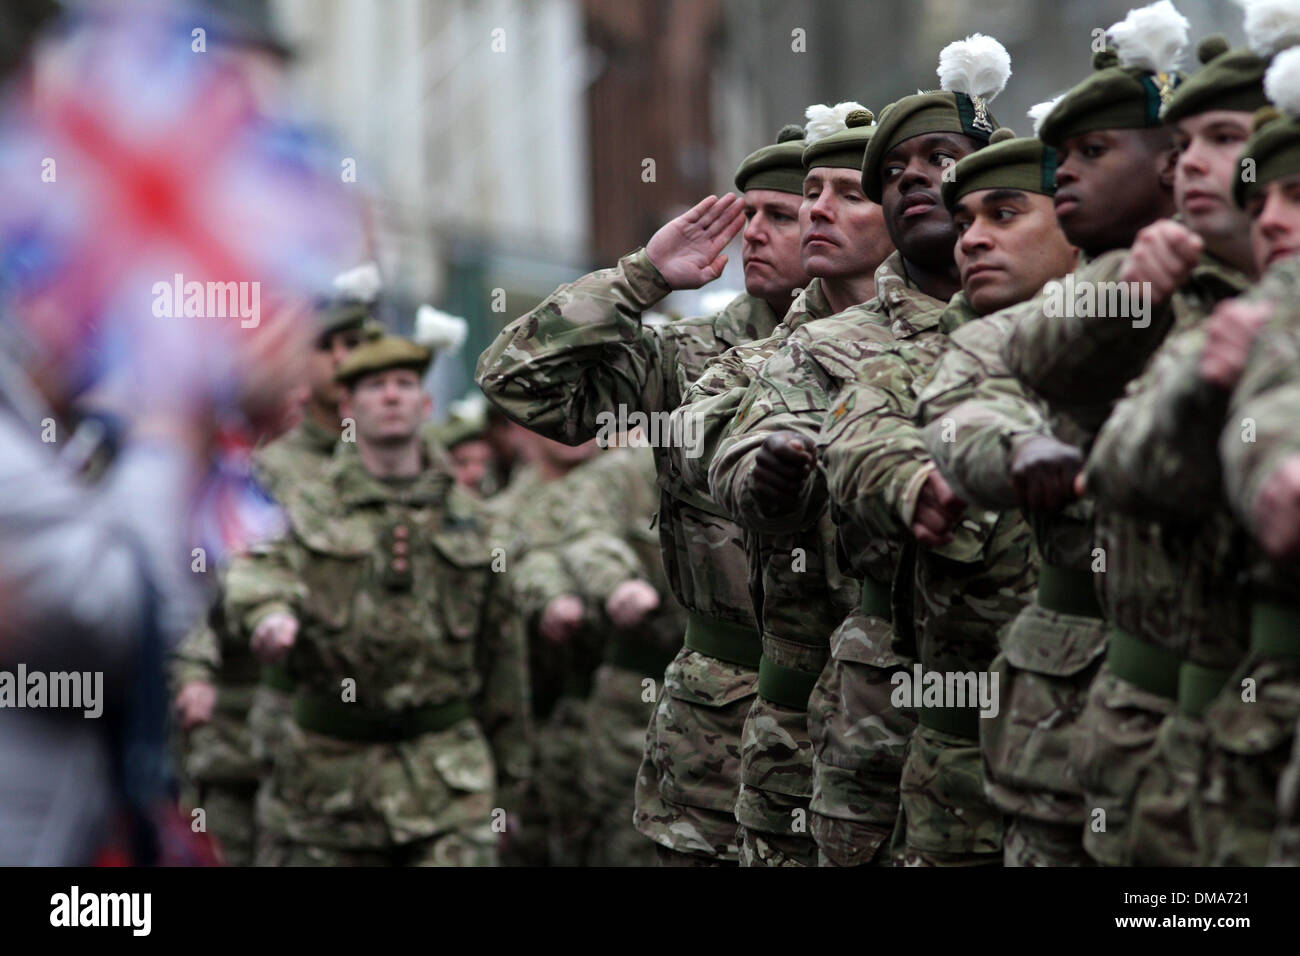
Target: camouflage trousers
x,y
616,719
1166,826
1285,848
1047,664
229,812
470,846
561,753
1116,742
1030,842
1251,727
667,857
687,784
859,740
944,817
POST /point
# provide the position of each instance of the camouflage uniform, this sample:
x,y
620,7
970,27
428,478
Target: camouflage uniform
x,y
960,595
225,759
977,416
560,370
411,725
1153,573
1249,790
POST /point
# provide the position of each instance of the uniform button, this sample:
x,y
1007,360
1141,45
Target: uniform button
x,y
399,547
399,565
400,531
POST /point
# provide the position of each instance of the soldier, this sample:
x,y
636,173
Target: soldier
x,y
569,366
977,415
1247,799
799,591
228,721
1117,168
1157,456
410,742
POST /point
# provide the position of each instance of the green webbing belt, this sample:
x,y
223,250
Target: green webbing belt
x,y
787,686
959,721
1275,628
727,642
1154,669
277,677
234,699
1198,685
334,718
640,658
1067,591
875,600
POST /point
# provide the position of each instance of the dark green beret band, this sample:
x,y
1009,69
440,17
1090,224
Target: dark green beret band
x,y
1275,148
842,150
1231,81
382,353
1025,164
1111,98
915,115
779,167
342,316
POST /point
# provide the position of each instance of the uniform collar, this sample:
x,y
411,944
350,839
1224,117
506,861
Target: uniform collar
x,y
746,318
908,309
357,487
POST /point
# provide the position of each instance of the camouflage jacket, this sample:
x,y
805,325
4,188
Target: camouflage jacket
x,y
977,415
875,465
427,631
1173,584
566,370
302,454
1260,428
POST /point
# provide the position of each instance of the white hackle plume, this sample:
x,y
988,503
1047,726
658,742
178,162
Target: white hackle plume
x,y
361,284
826,120
978,66
472,408
1271,25
1039,112
1282,82
1151,38
438,330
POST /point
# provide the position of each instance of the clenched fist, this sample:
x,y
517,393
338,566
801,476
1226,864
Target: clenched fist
x,y
1043,473
781,467
938,509
1163,254
1229,333
274,637
561,618
195,703
631,602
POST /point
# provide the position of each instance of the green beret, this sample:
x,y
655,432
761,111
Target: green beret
x,y
1113,97
1273,149
338,316
382,353
778,166
842,150
1229,80
938,112
457,431
1008,162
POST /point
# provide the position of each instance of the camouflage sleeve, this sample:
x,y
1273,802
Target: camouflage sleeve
x,y
262,582
873,454
540,576
1260,431
582,352
599,563
504,705
198,657
788,393
1158,450
1079,342
975,416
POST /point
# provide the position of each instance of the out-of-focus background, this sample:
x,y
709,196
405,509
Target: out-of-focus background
x,y
510,145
